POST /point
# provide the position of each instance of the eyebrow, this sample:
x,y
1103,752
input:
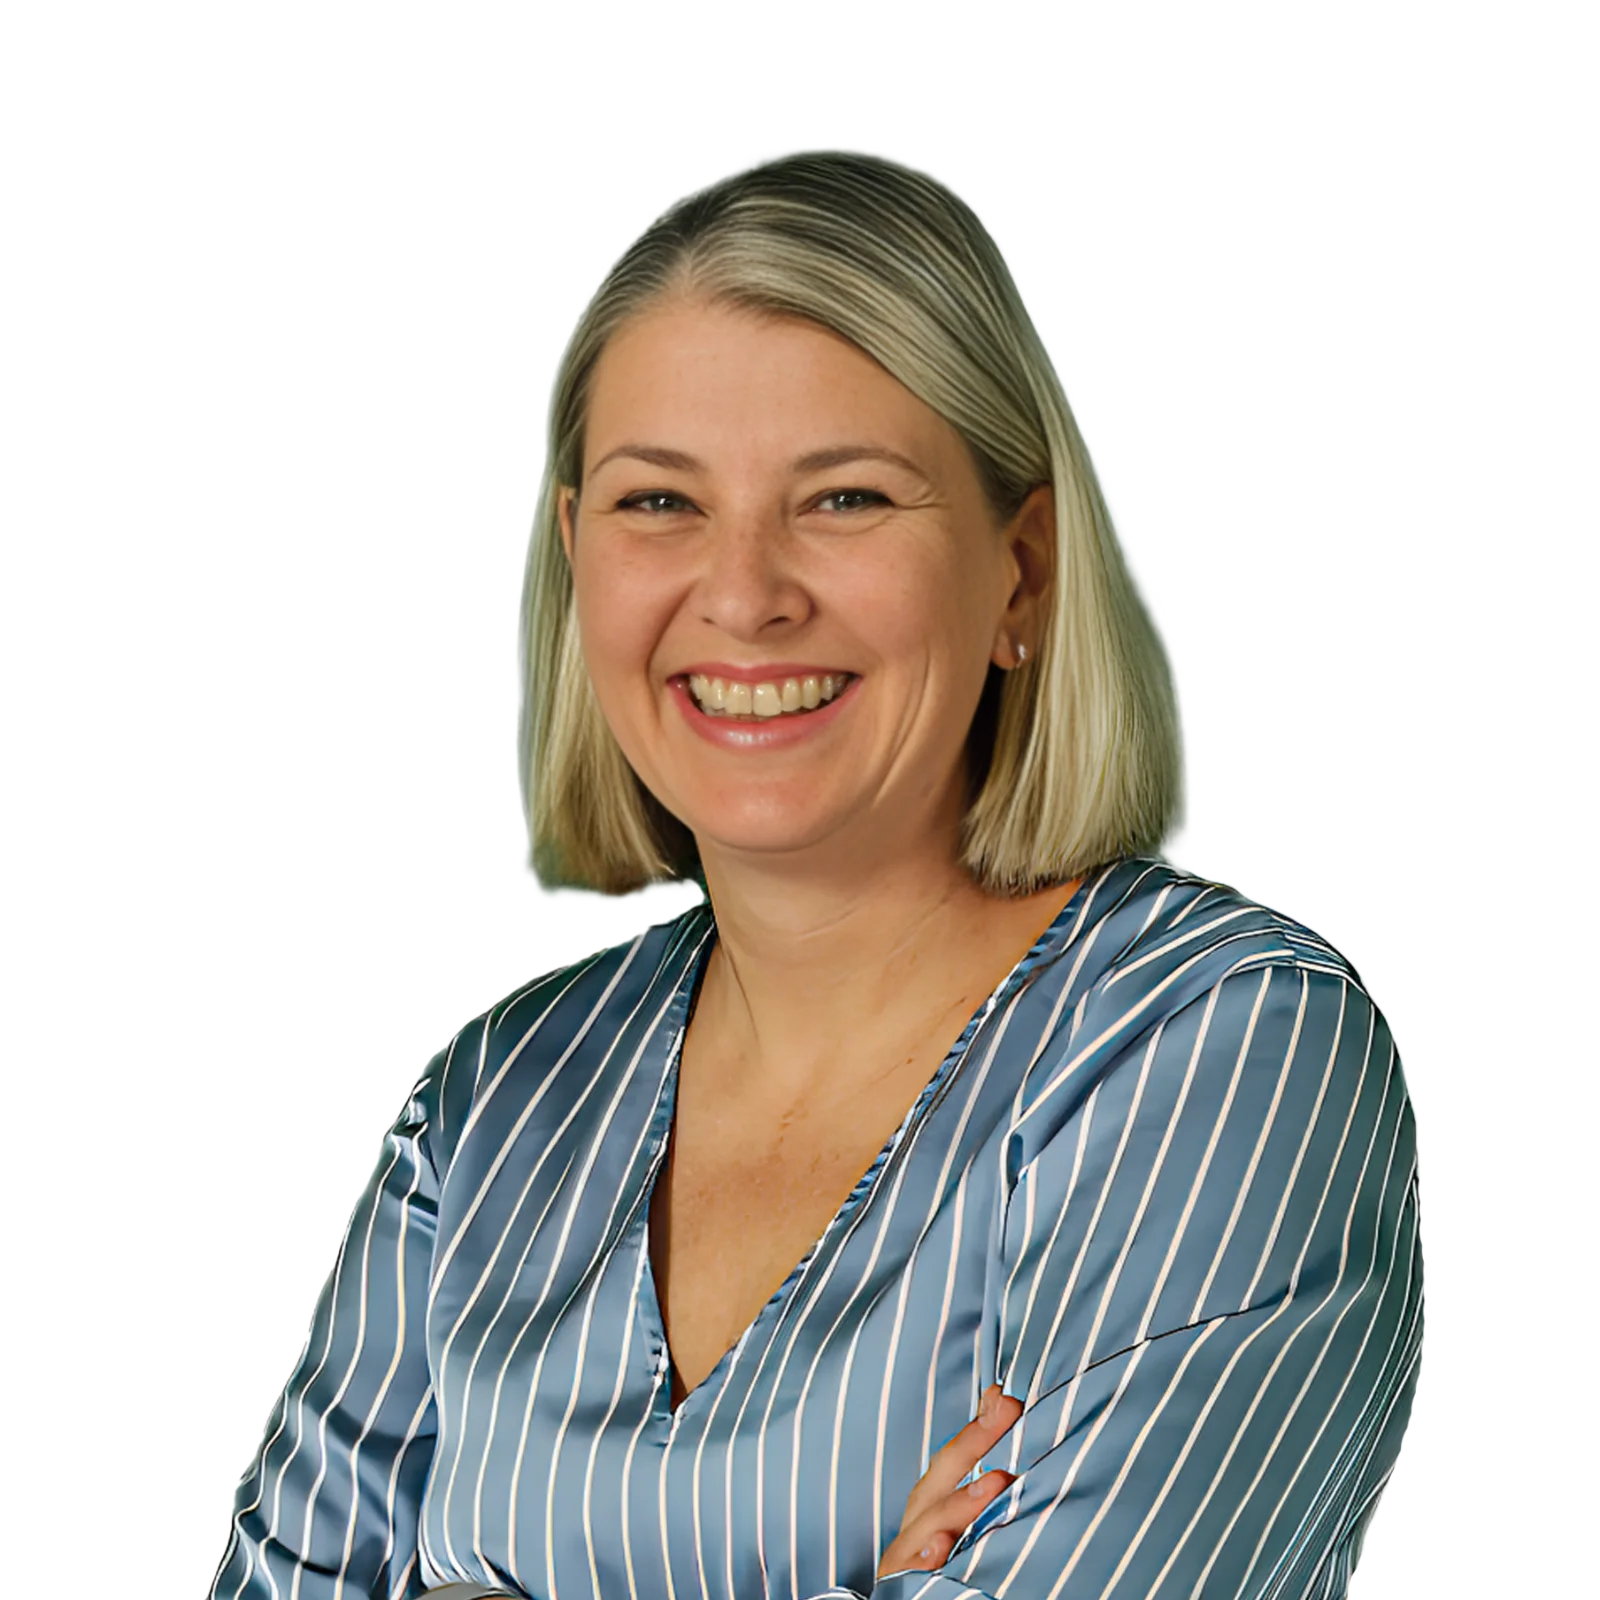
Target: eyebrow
x,y
816,461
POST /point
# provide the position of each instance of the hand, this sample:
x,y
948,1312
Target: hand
x,y
938,1511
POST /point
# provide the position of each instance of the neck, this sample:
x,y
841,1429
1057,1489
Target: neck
x,y
812,984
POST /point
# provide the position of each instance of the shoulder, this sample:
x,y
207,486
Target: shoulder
x,y
572,1015
608,984
1165,963
1170,986
1163,929
605,993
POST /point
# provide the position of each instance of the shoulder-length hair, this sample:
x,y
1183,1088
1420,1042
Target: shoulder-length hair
x,y
1072,760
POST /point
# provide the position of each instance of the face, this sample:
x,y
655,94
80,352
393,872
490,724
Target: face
x,y
763,503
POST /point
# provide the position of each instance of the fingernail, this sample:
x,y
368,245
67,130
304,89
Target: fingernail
x,y
978,1489
987,1405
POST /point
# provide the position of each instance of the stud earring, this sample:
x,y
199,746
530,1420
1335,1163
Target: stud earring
x,y
1022,653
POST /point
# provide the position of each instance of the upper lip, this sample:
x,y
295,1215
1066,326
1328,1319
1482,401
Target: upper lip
x,y
769,672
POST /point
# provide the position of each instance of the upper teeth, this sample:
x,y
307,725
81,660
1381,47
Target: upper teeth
x,y
766,699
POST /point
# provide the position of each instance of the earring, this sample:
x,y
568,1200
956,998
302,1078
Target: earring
x,y
1022,653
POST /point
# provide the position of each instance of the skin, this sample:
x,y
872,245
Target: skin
x,y
845,918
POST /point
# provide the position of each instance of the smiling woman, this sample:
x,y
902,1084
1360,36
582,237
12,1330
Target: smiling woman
x,y
687,1267
879,305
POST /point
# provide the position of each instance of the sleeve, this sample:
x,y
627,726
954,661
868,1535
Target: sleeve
x,y
1211,1307
329,1506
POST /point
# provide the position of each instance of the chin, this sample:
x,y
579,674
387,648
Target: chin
x,y
768,834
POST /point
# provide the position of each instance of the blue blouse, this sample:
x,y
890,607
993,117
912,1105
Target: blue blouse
x,y
1163,1188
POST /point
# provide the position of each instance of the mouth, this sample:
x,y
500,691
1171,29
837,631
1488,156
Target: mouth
x,y
732,700
759,727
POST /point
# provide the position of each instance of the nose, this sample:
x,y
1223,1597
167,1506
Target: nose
x,y
747,582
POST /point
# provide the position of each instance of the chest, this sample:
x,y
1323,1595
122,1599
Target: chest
x,y
742,1199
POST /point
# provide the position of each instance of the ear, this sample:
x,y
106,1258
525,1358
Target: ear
x,y
566,511
1030,539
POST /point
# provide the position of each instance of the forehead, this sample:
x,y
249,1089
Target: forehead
x,y
706,377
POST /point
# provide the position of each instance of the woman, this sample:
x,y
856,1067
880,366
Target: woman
x,y
683,1263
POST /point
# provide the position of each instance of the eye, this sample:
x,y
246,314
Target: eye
x,y
870,496
660,502
639,502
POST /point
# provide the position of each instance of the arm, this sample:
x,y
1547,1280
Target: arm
x,y
1212,1306
329,1505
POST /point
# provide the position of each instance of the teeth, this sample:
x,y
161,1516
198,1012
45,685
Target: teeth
x,y
760,700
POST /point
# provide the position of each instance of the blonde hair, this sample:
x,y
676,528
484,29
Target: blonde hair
x,y
1073,761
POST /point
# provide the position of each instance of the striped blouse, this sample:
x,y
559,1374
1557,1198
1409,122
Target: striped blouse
x,y
1163,1188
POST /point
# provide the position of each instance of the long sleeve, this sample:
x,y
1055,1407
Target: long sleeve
x,y
1211,1302
329,1507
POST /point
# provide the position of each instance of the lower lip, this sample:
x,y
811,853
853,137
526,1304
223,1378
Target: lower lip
x,y
772,734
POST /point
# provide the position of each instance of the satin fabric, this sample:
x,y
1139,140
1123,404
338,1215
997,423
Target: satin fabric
x,y
1163,1187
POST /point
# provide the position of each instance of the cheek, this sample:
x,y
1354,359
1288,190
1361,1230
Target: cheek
x,y
894,586
912,607
620,616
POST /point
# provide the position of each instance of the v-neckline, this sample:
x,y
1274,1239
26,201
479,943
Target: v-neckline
x,y
666,1112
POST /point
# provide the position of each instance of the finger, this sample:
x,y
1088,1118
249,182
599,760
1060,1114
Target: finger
x,y
918,1552
935,1514
926,1542
960,1455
